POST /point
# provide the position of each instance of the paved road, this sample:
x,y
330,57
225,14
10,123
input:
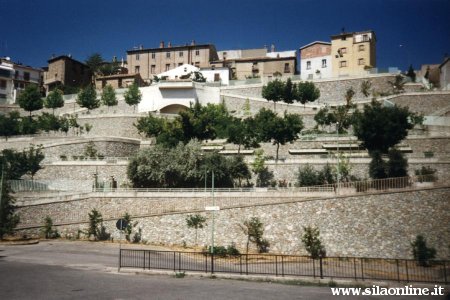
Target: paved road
x,y
82,270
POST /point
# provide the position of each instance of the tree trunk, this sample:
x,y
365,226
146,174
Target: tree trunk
x,y
278,147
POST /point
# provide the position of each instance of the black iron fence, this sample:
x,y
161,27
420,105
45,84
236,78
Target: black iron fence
x,y
356,268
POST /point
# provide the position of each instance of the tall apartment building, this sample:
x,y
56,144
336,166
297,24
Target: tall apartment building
x,y
152,61
315,61
352,53
14,77
64,70
251,63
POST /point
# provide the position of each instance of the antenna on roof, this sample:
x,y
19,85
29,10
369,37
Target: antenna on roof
x,y
343,30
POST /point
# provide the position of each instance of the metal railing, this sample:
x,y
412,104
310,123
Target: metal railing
x,y
357,268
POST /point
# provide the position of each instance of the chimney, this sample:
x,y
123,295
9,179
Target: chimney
x,y
169,45
272,48
193,43
161,44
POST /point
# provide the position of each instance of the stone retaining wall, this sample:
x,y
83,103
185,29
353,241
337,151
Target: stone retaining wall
x,y
374,225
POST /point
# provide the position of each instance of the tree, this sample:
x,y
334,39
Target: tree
x,y
307,176
398,84
238,169
324,117
94,62
49,232
377,166
422,254
349,93
8,220
243,132
150,125
9,125
95,220
273,91
289,92
411,74
253,229
54,100
30,99
307,92
276,129
133,96
49,122
313,244
195,221
129,228
365,87
264,176
109,96
397,165
33,158
87,98
380,127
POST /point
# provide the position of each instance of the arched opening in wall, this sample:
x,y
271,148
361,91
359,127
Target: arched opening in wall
x,y
173,109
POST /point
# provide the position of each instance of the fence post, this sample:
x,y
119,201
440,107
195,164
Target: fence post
x,y
179,261
206,262
407,272
149,260
354,266
246,263
445,274
398,270
276,265
240,264
212,263
144,261
120,258
174,265
282,266
314,267
321,268
362,269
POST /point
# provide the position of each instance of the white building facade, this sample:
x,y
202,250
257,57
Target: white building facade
x,y
315,61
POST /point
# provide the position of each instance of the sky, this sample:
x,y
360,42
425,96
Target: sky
x,y
408,31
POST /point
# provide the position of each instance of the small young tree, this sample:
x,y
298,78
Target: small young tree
x,y
307,176
54,100
33,158
307,92
366,85
30,99
49,122
263,175
254,230
49,232
349,94
274,91
195,221
8,220
95,220
422,254
130,225
311,241
90,150
398,84
87,98
133,96
9,125
411,74
109,96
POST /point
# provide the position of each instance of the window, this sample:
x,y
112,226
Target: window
x,y
361,61
343,50
136,69
2,84
26,76
197,52
343,38
167,67
324,63
180,54
343,64
180,64
152,69
361,48
137,56
308,65
365,38
168,55
16,74
153,55
310,76
286,68
216,77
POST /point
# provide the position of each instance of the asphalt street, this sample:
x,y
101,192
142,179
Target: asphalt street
x,y
84,270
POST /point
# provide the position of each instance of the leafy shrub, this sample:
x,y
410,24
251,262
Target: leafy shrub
x,y
312,242
48,231
426,174
422,254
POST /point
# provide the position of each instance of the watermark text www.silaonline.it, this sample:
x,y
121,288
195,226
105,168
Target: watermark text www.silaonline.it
x,y
375,290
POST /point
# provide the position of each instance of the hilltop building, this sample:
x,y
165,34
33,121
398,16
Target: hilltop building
x,y
256,63
315,61
153,61
14,77
63,70
353,53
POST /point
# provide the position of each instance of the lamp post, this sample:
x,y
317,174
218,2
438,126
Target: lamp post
x,y
213,215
